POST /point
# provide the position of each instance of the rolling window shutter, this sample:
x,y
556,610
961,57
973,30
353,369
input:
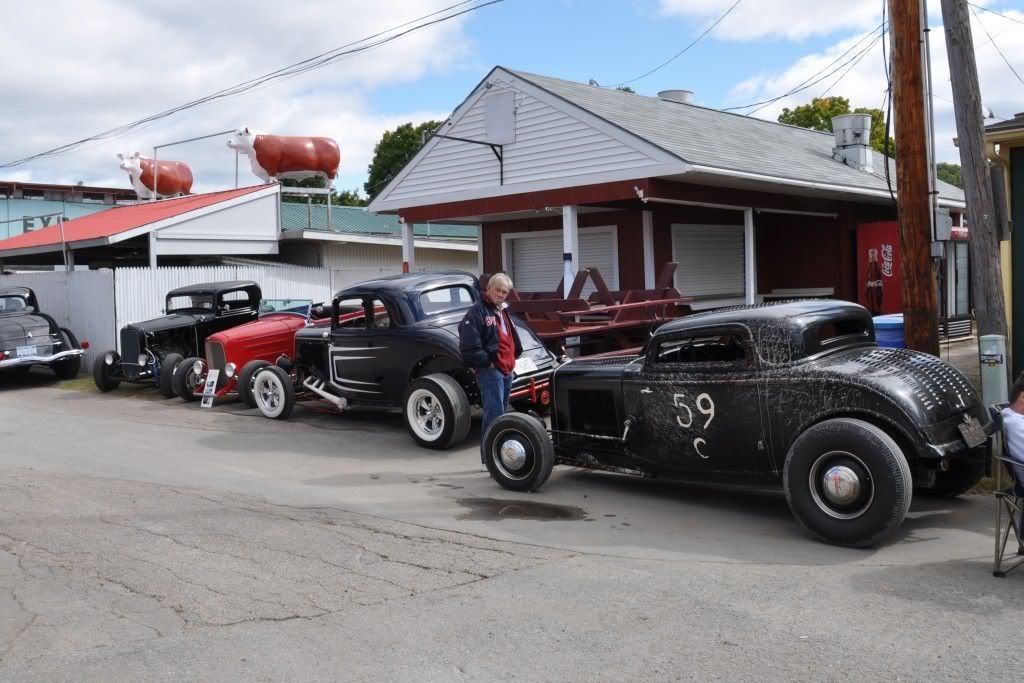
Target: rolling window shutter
x,y
711,260
537,259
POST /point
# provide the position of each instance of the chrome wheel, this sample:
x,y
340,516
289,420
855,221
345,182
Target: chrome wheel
x,y
426,415
269,394
841,485
512,455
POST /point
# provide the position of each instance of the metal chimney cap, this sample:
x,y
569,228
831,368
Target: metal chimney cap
x,y
680,96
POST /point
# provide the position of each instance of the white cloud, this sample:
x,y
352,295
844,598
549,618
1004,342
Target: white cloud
x,y
785,19
865,84
73,69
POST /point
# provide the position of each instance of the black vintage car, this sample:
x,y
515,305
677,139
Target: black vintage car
x,y
394,342
152,350
30,337
796,394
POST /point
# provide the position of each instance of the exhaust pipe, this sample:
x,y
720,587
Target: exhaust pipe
x,y
317,387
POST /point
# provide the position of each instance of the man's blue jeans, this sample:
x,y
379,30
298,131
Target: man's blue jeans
x,y
495,387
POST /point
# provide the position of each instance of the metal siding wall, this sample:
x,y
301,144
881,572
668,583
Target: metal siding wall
x,y
537,259
711,259
353,262
549,144
82,301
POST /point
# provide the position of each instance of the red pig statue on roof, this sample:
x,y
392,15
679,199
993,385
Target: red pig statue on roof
x,y
174,177
273,157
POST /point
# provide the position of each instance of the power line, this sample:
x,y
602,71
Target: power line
x,y
992,11
816,78
290,71
681,52
993,41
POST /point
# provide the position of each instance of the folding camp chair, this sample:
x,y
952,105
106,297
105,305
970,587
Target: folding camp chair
x,y
1009,502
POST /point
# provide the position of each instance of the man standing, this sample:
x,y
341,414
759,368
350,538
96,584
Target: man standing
x,y
490,346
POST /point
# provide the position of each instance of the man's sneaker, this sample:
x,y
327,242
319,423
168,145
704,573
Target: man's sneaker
x,y
483,467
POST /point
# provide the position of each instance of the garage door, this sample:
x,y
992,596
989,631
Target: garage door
x,y
711,260
536,258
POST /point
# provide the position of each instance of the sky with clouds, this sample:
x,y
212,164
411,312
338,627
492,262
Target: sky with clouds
x,y
72,69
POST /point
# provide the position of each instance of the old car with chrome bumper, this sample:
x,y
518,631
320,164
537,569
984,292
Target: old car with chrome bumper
x,y
30,337
796,395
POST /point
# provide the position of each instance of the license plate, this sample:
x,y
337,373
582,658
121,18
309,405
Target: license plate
x,y
524,365
973,433
26,351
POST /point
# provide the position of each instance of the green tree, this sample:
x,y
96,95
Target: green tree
x,y
395,149
343,198
950,173
625,88
818,116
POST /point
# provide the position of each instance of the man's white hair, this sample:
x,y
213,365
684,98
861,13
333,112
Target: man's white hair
x,y
499,280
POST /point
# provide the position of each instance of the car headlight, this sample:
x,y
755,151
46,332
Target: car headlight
x,y
197,367
143,359
108,359
229,369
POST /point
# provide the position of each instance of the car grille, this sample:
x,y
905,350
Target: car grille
x,y
215,356
592,412
130,350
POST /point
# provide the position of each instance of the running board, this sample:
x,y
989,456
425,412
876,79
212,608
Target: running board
x,y
317,387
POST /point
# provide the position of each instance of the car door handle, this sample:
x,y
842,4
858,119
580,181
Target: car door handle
x,y
645,390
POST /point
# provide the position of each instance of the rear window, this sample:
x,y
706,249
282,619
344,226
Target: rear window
x,y
844,330
12,304
191,302
445,299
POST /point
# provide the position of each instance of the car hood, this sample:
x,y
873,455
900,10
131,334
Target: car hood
x,y
927,387
173,321
17,326
267,325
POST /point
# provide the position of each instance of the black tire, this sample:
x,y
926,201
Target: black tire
x,y
518,452
858,452
274,393
105,375
961,477
245,379
168,366
436,411
67,368
185,379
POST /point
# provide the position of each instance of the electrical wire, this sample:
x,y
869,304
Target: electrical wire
x,y
683,51
806,83
992,11
993,41
283,73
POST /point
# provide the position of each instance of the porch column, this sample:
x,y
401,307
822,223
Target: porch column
x,y
750,256
648,236
152,249
570,246
479,249
70,260
408,248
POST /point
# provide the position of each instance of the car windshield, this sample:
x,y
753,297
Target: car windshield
x,y
298,306
12,304
445,300
190,302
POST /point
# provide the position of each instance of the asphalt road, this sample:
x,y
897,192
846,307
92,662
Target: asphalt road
x,y
148,539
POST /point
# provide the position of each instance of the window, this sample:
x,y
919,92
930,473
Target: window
x,y
833,331
12,304
381,319
235,301
711,348
445,299
190,302
349,314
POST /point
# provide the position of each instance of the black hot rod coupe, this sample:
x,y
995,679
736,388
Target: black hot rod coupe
x,y
796,394
30,337
152,350
394,342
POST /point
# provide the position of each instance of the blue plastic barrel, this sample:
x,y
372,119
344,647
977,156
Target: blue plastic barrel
x,y
889,331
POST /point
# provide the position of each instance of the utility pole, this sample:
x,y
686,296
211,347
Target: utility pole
x,y
986,272
920,317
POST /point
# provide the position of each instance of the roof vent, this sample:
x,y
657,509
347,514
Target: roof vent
x,y
853,141
680,96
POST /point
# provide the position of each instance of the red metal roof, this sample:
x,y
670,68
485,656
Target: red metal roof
x,y
120,219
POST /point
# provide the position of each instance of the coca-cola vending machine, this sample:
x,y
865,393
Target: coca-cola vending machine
x,y
878,267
